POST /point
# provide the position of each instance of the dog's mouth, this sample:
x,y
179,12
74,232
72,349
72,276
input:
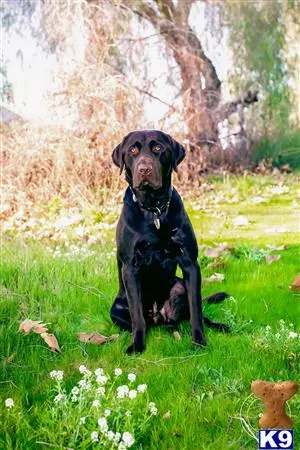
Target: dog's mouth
x,y
144,185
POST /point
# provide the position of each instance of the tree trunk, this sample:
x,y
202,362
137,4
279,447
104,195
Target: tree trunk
x,y
201,87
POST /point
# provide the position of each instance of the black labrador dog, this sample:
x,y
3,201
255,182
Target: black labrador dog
x,y
154,236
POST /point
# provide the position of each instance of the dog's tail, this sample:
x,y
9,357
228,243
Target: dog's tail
x,y
218,297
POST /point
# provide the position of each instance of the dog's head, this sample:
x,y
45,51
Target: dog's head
x,y
149,156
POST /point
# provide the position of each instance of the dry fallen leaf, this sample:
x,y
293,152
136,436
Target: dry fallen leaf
x,y
29,325
51,341
295,286
96,338
176,336
271,258
167,415
215,277
40,328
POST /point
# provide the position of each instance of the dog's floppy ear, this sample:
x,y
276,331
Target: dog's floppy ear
x,y
117,157
117,154
178,153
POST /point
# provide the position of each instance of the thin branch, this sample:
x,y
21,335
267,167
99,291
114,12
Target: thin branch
x,y
140,39
143,91
172,359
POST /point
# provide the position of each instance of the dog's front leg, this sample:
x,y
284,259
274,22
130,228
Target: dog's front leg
x,y
192,279
133,293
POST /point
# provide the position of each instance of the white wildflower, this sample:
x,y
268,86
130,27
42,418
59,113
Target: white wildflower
x,y
60,398
75,390
57,374
100,390
131,377
74,398
101,379
153,408
96,404
85,385
107,412
132,393
153,411
117,437
118,372
95,436
102,422
292,335
99,372
122,391
9,403
142,387
82,369
128,439
82,420
110,435
128,414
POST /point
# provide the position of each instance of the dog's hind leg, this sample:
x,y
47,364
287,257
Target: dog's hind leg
x,y
176,308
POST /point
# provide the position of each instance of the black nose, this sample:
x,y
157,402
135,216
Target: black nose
x,y
145,169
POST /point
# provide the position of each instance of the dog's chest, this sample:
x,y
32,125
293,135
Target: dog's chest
x,y
158,249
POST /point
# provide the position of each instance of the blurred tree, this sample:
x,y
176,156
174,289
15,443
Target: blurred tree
x,y
201,86
264,59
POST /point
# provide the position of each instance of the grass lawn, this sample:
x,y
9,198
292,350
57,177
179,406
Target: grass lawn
x,y
206,391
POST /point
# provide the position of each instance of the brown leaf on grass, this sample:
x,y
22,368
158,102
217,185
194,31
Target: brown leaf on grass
x,y
167,415
271,258
176,336
295,286
96,338
215,277
51,341
29,325
217,264
40,328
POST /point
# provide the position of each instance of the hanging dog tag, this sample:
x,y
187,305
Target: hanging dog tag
x,y
157,222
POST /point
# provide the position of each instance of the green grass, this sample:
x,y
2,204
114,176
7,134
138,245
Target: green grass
x,y
203,389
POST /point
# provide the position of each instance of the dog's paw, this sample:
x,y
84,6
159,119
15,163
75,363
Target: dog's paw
x,y
138,343
199,339
133,348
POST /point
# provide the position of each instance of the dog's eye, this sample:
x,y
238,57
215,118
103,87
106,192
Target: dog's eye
x,y
156,148
134,150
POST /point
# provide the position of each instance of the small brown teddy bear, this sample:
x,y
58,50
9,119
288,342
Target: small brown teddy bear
x,y
274,396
